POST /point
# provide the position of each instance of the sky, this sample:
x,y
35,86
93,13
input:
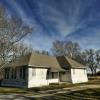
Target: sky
x,y
71,20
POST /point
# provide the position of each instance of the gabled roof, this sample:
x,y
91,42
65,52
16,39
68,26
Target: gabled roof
x,y
60,63
74,64
67,63
41,60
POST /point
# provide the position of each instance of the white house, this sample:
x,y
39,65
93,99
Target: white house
x,y
35,70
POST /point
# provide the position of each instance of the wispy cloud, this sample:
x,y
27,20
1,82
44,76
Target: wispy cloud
x,y
77,20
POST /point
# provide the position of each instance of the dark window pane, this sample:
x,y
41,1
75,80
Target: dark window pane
x,y
22,73
7,71
54,74
14,73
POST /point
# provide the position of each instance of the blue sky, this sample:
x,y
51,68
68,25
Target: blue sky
x,y
75,20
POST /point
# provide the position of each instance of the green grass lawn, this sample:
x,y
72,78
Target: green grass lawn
x,y
88,94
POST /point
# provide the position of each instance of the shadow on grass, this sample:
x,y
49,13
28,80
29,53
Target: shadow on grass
x,y
88,94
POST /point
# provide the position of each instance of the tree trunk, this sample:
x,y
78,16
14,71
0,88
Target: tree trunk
x,y
92,72
95,72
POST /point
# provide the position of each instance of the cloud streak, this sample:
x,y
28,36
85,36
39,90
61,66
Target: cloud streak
x,y
76,20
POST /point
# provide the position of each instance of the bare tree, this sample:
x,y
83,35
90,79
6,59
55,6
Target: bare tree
x,y
68,48
81,57
93,60
11,32
97,58
72,49
22,49
58,48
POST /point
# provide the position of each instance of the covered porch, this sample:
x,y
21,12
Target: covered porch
x,y
16,76
56,76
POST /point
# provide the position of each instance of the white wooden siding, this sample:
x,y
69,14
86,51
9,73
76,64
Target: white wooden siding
x,y
78,75
37,80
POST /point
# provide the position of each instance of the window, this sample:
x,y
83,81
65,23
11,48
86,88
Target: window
x,y
14,73
7,70
33,72
22,73
73,71
48,74
54,74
